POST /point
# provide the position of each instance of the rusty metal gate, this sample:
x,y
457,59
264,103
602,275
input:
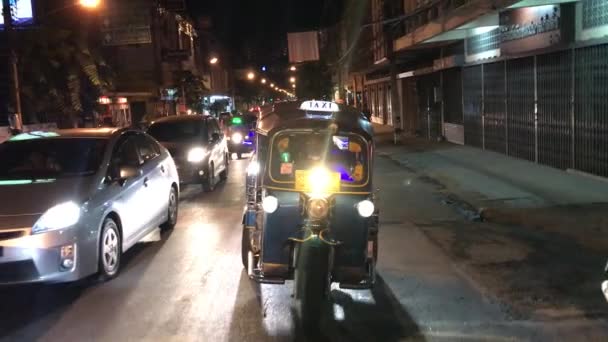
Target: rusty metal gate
x,y
494,120
429,110
472,102
554,115
520,108
591,110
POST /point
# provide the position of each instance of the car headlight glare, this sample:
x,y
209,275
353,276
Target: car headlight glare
x,y
270,204
60,216
366,208
196,155
317,208
237,138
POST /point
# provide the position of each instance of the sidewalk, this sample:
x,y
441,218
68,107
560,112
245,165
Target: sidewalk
x,y
533,236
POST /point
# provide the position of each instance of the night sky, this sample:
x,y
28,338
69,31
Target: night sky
x,y
263,23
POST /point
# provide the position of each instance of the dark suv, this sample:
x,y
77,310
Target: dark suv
x,y
197,145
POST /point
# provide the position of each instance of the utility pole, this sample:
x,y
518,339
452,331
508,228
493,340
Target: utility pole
x,y
15,97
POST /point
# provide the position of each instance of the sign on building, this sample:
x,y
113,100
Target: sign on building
x,y
539,27
126,23
303,46
22,13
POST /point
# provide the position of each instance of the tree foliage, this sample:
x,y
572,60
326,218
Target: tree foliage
x,y
61,76
193,87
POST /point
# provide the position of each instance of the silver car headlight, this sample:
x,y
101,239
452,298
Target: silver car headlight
x,y
237,138
196,155
61,216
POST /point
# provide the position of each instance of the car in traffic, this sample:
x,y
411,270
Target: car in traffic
x,y
241,135
198,147
73,201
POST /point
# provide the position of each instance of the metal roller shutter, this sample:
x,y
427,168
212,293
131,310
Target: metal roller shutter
x,y
472,99
520,108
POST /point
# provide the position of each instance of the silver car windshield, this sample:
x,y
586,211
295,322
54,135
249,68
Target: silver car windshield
x,y
51,158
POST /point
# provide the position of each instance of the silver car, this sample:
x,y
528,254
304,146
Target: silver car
x,y
72,201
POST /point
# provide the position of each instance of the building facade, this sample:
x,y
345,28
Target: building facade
x,y
151,46
527,81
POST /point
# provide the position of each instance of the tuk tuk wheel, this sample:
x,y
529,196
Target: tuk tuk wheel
x,y
311,282
239,155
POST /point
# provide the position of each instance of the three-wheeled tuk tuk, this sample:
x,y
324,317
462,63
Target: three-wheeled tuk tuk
x,y
310,214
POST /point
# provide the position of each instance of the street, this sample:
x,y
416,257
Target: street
x,y
189,285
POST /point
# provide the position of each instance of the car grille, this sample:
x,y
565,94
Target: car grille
x,y
18,271
11,234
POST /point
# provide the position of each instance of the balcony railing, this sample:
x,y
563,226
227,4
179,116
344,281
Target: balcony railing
x,y
425,12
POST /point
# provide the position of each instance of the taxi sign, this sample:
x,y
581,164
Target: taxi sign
x,y
320,106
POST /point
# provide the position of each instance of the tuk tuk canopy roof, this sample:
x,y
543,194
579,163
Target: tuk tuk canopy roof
x,y
288,115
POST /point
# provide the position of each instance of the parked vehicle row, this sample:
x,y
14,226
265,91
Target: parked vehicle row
x,y
73,201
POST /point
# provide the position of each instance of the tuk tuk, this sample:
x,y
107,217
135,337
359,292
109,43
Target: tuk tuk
x,y
310,214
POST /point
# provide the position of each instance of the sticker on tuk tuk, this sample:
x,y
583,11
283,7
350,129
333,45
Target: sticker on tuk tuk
x,y
286,168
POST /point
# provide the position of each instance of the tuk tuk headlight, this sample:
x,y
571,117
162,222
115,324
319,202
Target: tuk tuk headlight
x,y
253,168
317,208
319,180
237,138
270,204
366,208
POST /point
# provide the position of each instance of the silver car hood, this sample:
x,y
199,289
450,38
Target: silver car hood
x,y
23,204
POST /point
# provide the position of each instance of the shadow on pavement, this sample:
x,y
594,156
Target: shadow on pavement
x,y
40,306
379,317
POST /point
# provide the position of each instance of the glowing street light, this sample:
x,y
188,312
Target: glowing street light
x,y
250,76
271,85
293,68
292,79
293,86
263,81
89,3
213,60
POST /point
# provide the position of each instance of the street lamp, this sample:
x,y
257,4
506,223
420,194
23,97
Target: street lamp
x,y
263,81
271,85
89,3
293,86
292,79
293,68
250,76
213,60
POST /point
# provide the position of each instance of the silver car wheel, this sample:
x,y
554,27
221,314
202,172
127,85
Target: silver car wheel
x,y
110,248
173,206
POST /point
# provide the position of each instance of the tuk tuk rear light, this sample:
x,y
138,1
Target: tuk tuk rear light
x,y
270,204
366,208
317,208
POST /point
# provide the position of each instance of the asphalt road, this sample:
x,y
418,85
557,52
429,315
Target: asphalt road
x,y
189,285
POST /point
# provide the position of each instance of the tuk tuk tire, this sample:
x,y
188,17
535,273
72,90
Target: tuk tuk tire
x,y
239,155
311,283
245,246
